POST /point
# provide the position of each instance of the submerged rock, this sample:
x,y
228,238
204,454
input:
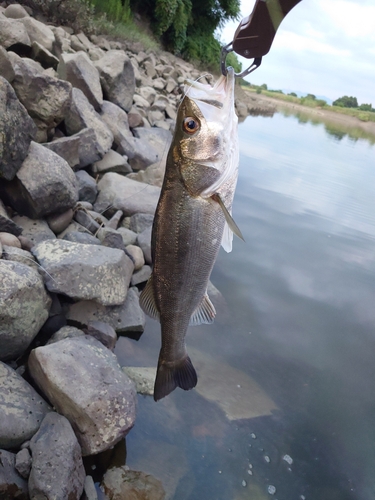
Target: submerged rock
x,y
121,483
12,485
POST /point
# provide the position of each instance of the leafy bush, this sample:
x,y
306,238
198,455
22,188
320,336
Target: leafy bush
x,y
346,102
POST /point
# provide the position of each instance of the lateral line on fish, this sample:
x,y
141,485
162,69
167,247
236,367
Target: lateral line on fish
x,y
230,221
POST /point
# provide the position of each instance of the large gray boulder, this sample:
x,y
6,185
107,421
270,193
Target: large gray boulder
x,y
85,383
117,78
82,74
17,130
127,317
12,485
21,409
6,68
35,230
44,184
38,32
66,147
88,272
82,115
57,470
117,121
24,307
45,97
13,33
121,193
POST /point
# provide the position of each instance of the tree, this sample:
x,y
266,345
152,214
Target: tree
x,y
311,96
346,102
366,107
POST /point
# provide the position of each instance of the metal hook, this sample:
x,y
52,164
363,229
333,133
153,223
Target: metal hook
x,y
229,48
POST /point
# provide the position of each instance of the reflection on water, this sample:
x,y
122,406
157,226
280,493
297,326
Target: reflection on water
x,y
333,128
285,405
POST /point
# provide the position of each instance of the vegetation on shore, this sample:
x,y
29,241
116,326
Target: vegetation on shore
x,y
344,105
184,27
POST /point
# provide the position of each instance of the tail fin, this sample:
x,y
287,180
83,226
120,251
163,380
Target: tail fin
x,y
169,376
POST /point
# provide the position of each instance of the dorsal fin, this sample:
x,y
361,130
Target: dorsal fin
x,y
204,313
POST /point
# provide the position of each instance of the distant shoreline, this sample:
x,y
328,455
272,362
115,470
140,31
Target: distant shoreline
x,y
320,113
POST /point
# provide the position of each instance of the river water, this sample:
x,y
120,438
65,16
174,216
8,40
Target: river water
x,y
285,403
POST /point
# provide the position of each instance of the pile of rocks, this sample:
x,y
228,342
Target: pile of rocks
x,y
85,126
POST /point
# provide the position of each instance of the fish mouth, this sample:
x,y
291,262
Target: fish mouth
x,y
220,95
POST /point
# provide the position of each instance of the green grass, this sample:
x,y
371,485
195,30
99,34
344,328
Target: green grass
x,y
364,116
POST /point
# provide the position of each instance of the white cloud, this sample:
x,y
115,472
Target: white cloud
x,y
324,47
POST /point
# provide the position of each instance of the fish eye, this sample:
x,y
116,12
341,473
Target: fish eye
x,y
190,125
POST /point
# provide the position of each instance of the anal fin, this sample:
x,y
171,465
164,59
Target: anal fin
x,y
204,314
147,301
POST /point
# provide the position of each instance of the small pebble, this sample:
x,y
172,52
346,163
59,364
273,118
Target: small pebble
x,y
288,459
244,483
271,489
267,459
253,435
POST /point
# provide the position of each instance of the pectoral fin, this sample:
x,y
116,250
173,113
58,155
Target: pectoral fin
x,y
204,313
147,301
229,219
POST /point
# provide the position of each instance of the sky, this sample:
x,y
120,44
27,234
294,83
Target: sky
x,y
322,47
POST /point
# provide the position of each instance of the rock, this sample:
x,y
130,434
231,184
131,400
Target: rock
x,y
79,237
9,240
90,150
85,271
38,32
85,41
117,78
15,11
65,332
129,237
18,129
87,221
82,74
141,276
115,220
44,56
135,118
12,485
24,307
148,93
127,195
84,382
21,409
143,378
6,68
34,230
89,489
19,255
141,101
137,255
139,222
23,463
46,98
59,222
144,155
153,174
158,138
102,332
111,162
111,238
87,188
117,121
81,115
13,33
144,241
57,470
66,147
45,184
119,483
125,318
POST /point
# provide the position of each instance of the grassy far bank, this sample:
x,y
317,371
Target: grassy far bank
x,y
311,102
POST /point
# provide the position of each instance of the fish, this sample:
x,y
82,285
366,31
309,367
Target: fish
x,y
192,219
